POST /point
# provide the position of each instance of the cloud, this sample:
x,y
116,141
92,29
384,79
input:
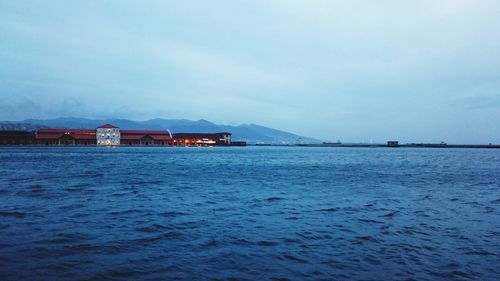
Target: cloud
x,y
212,67
330,69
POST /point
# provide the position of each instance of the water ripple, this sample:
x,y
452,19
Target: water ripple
x,y
253,213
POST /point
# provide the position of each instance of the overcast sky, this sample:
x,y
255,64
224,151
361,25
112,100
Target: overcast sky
x,y
351,70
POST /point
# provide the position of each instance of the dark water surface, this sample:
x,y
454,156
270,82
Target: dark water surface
x,y
257,213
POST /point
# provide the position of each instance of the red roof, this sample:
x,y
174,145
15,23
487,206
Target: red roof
x,y
138,137
145,132
72,131
107,126
49,136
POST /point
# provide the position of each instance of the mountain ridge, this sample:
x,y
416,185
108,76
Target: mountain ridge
x,y
251,133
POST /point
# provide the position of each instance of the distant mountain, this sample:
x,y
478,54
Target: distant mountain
x,y
251,133
17,126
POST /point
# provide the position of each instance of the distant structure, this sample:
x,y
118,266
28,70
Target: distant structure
x,y
105,135
393,144
65,137
15,137
202,139
110,135
146,137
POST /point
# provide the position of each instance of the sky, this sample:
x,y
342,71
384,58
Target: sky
x,y
357,71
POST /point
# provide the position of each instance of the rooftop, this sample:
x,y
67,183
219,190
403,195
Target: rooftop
x,y
107,126
64,130
145,132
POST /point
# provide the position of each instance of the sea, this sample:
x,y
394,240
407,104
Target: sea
x,y
249,213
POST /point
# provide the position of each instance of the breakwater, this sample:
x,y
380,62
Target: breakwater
x,y
361,145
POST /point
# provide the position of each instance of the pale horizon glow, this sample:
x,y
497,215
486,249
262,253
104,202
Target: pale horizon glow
x,y
358,71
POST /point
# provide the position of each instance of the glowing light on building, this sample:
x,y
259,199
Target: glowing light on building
x,y
108,135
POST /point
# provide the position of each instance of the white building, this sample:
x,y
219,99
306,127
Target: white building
x,y
108,135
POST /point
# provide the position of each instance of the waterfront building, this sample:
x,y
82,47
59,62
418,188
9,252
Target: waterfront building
x,y
392,143
12,137
105,135
48,136
146,137
202,139
108,135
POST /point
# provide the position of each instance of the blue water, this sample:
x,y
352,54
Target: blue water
x,y
256,213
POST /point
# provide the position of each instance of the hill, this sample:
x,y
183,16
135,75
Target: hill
x,y
251,133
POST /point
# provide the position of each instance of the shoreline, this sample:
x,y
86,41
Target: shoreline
x,y
361,145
